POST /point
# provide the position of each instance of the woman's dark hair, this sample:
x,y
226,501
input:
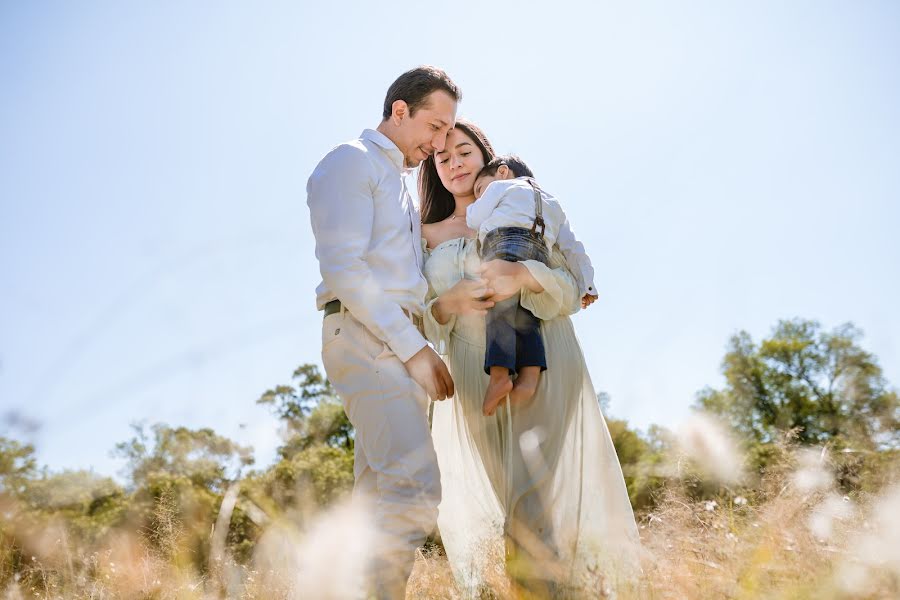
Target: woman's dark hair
x,y
515,164
414,87
436,201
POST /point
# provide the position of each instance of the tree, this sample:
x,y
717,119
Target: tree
x,y
317,458
89,503
17,464
820,385
179,476
312,412
292,404
199,455
640,461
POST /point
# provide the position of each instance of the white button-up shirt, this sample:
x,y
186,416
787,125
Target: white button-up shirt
x,y
368,235
510,203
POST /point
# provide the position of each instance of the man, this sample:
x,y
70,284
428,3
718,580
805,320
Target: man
x,y
368,244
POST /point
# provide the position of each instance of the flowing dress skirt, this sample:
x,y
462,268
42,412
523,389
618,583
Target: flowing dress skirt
x,y
535,490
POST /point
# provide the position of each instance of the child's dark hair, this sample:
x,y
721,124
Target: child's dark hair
x,y
515,164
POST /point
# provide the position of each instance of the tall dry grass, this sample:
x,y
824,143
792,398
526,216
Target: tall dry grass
x,y
788,534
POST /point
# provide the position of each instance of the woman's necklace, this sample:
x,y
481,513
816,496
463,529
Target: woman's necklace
x,y
463,213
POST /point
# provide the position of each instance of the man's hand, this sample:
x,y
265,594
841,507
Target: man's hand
x,y
428,370
587,300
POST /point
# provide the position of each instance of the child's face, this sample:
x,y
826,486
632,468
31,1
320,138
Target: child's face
x,y
482,182
503,172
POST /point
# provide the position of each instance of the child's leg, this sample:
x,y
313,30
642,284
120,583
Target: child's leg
x,y
498,389
525,385
500,353
530,356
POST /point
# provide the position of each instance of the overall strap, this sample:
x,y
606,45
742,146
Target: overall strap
x,y
538,208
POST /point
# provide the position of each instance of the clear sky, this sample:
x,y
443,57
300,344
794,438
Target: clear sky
x,y
725,164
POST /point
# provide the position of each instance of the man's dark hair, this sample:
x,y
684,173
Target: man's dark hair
x,y
414,87
515,164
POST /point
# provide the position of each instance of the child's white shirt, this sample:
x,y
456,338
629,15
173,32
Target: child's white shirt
x,y
510,203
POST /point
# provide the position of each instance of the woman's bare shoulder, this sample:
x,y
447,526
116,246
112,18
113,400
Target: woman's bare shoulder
x,y
436,234
431,232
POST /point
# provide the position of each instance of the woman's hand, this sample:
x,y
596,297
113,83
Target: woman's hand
x,y
508,278
468,296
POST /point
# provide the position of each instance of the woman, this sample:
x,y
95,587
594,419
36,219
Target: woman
x,y
538,483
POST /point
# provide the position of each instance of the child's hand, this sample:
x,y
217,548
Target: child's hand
x,y
587,300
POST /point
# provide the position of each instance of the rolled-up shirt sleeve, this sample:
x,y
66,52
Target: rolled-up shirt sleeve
x,y
342,212
479,211
438,333
577,258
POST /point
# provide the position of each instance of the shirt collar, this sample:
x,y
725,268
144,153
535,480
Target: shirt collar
x,y
389,147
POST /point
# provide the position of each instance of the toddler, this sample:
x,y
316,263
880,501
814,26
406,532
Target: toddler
x,y
516,220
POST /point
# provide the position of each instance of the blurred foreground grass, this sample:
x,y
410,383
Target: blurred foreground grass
x,y
784,484
792,535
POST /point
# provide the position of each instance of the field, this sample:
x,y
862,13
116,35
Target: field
x,y
791,535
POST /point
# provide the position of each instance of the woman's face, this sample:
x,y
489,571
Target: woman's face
x,y
458,163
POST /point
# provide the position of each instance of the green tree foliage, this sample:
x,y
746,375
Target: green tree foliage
x,y
201,456
311,411
178,476
317,458
42,512
813,387
821,385
17,464
292,404
319,473
87,501
640,460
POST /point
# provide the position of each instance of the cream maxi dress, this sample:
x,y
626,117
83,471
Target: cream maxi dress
x,y
545,473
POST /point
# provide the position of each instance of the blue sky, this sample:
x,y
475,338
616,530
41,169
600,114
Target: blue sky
x,y
725,164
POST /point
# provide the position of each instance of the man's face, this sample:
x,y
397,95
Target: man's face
x,y
423,134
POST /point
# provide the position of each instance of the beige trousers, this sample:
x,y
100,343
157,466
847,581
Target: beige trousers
x,y
394,463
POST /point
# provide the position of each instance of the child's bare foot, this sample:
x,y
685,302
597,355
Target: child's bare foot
x,y
525,385
498,389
